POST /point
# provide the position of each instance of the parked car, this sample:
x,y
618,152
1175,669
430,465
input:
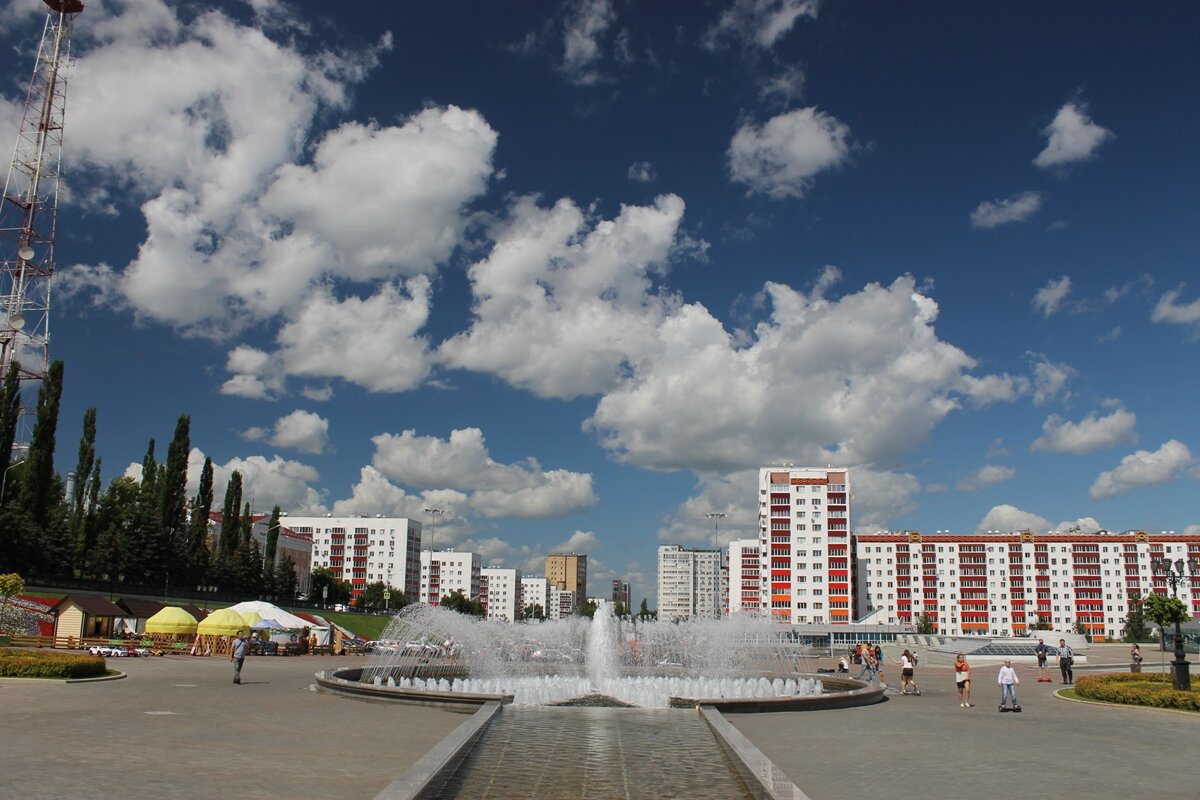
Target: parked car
x,y
100,650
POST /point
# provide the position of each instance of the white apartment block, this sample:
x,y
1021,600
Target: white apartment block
x,y
745,577
500,591
362,550
543,592
1003,584
804,534
444,572
691,583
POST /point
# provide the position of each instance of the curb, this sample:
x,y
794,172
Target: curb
x,y
64,681
1058,695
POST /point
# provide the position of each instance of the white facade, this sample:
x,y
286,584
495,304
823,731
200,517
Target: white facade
x,y
745,576
444,572
690,583
545,593
1003,584
362,550
501,590
805,539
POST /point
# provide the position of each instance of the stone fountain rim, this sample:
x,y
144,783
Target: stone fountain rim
x,y
855,693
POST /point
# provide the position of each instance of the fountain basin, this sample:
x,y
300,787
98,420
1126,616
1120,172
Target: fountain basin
x,y
838,692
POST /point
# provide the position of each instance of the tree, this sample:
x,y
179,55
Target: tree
x,y
230,524
586,609
1164,611
172,493
83,473
272,538
37,489
1135,621
644,613
533,611
116,515
372,596
457,601
198,556
143,557
1080,627
10,413
620,611
90,521
1041,622
285,578
926,624
322,578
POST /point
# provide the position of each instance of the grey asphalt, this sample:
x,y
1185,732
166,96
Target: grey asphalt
x,y
176,727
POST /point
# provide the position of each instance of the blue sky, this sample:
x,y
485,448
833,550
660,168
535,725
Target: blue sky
x,y
574,270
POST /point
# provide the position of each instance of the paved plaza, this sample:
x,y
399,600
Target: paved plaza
x,y
176,727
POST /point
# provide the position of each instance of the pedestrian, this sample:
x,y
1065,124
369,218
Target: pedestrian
x,y
1066,662
861,658
962,679
878,655
237,654
843,666
1135,658
1008,680
1042,652
907,666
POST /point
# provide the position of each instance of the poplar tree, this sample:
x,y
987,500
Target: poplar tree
x,y
38,487
80,509
230,526
172,491
143,553
10,413
197,558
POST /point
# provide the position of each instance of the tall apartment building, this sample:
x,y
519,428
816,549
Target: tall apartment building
x,y
620,593
568,571
362,550
500,593
745,577
1004,584
804,534
690,583
445,572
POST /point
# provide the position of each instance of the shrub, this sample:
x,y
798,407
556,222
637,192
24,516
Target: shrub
x,y
42,664
1137,689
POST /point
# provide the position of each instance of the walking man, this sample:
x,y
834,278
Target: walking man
x,y
237,654
1066,661
1042,652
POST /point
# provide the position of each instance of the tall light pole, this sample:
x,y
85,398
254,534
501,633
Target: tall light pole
x,y
716,517
4,480
1175,574
433,514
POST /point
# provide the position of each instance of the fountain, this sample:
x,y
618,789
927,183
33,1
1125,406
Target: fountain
x,y
432,655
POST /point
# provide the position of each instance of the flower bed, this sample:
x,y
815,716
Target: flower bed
x,y
1137,689
41,664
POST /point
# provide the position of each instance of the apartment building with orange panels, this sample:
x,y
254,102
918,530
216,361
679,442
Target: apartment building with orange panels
x,y
362,550
1005,584
745,577
804,535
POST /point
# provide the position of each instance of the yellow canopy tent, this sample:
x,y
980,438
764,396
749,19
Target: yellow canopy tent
x,y
222,622
252,618
173,620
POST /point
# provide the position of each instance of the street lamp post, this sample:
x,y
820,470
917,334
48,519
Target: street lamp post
x,y
433,514
716,517
4,480
1175,574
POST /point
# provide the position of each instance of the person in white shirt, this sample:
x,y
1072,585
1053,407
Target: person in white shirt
x,y
1008,680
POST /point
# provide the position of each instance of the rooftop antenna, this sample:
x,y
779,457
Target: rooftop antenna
x,y
29,210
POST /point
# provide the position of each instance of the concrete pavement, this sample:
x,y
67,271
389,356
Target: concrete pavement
x,y
178,728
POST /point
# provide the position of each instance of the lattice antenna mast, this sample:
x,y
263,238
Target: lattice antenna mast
x,y
29,210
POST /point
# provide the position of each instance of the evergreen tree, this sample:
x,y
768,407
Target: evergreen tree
x,y
172,491
83,472
285,579
230,524
37,490
198,557
272,538
90,522
10,413
143,555
116,530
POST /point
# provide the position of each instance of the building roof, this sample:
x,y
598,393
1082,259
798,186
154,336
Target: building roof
x,y
194,610
92,604
140,607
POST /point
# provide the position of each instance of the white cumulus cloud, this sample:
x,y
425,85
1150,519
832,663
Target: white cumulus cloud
x,y
782,157
1088,435
1071,137
759,23
1016,208
987,475
300,430
1143,468
1169,309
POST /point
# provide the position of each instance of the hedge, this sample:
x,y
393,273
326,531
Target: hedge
x,y
42,664
1116,688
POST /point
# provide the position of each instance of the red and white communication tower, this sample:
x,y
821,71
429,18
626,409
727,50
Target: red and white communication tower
x,y
29,209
